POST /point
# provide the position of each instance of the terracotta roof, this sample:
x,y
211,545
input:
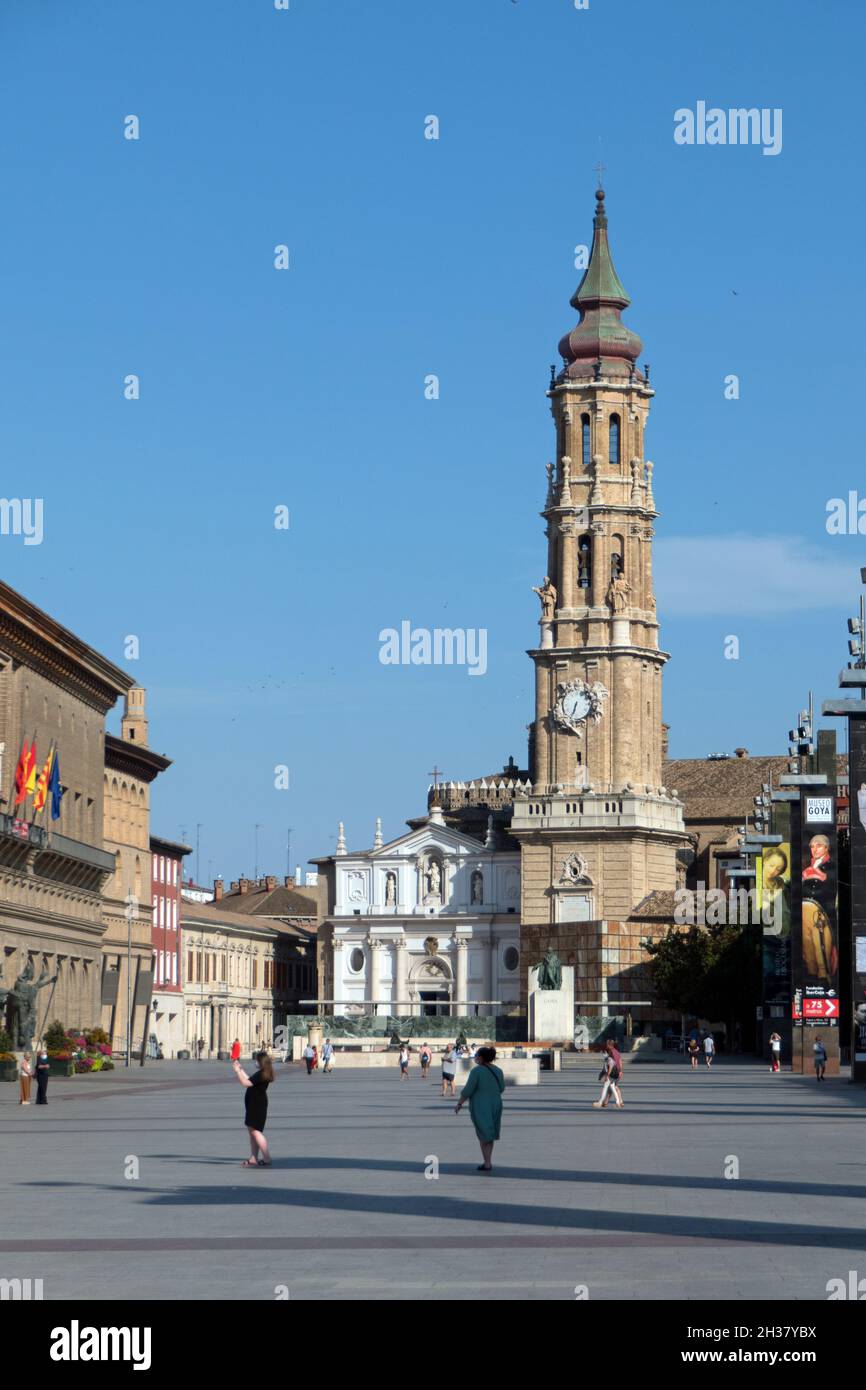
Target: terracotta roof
x,y
656,906
715,789
272,902
214,914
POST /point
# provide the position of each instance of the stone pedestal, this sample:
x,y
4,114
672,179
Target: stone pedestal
x,y
621,636
551,1011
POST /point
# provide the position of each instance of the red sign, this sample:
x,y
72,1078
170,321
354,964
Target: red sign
x,y
820,1008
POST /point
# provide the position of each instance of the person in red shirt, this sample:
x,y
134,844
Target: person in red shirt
x,y
236,1050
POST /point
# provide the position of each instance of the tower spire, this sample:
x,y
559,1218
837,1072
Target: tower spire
x,y
600,338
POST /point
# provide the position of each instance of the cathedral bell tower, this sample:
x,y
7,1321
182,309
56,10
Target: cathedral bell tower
x,y
598,831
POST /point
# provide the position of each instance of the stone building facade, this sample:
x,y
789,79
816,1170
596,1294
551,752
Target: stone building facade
x,y
58,690
166,1026
127,947
426,924
236,972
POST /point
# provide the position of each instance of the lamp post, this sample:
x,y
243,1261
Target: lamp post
x,y
131,905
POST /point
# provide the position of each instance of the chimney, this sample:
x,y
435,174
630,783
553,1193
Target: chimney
x,y
243,885
741,752
270,883
666,730
289,881
234,887
217,890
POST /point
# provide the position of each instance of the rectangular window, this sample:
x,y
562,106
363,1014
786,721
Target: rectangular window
x,y
255,974
189,961
174,913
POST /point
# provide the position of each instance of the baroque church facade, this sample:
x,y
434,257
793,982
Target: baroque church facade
x,y
595,837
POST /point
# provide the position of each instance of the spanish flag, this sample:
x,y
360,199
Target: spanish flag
x,y
42,784
25,772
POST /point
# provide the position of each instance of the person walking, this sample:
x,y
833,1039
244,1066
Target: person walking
x,y
315,1058
309,1054
236,1050
327,1057
610,1074
820,1058
42,1069
483,1091
404,1062
449,1070
425,1061
256,1108
25,1076
693,1051
775,1052
709,1049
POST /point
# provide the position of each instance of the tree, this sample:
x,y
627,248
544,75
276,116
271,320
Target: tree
x,y
710,972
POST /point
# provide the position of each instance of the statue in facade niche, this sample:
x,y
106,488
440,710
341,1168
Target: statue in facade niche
x,y
390,890
478,886
547,594
549,971
434,880
617,594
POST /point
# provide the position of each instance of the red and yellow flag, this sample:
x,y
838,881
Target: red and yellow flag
x,y
25,772
42,784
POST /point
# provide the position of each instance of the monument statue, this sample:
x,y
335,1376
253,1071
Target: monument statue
x,y
617,594
390,890
24,994
478,886
549,971
547,594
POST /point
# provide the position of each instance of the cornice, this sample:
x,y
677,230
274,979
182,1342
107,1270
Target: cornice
x,y
36,641
133,758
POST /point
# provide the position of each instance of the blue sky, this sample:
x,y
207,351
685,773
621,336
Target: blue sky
x,y
306,387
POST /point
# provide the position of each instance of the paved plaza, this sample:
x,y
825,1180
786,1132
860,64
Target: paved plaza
x,y
633,1204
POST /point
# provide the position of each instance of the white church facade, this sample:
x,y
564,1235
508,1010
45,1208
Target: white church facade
x,y
427,924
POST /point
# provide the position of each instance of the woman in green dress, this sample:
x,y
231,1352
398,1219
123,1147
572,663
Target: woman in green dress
x,y
484,1090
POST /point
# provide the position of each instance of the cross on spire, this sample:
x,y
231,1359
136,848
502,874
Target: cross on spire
x,y
600,169
435,774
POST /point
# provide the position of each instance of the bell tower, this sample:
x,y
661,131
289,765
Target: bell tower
x,y
598,831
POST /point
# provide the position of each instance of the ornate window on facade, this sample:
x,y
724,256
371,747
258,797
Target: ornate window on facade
x,y
614,450
585,441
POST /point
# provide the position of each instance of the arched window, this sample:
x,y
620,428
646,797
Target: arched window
x,y
585,442
614,440
584,563
617,557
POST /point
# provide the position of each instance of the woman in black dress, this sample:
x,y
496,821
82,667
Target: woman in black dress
x,y
256,1108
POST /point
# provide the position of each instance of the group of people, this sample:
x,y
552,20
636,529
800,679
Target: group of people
x,y
482,1092
27,1069
310,1055
698,1043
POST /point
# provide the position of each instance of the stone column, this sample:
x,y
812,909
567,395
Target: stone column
x,y
491,956
401,970
600,565
542,760
566,563
462,975
375,972
337,973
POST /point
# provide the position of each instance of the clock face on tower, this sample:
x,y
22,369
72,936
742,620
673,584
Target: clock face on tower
x,y
576,702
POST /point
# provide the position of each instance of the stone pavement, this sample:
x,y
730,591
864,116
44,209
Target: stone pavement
x,y
633,1204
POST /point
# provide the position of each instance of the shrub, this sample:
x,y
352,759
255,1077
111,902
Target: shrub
x,y
84,1064
5,1040
108,1065
97,1037
8,1057
105,1049
60,1056
55,1037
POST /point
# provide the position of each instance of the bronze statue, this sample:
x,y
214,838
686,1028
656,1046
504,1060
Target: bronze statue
x,y
24,995
549,971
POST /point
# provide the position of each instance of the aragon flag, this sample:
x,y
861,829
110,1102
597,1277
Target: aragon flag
x,y
42,785
25,772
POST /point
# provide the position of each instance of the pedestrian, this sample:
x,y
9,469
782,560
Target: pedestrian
x,y
236,1050
425,1061
483,1091
775,1052
404,1062
820,1053
709,1049
694,1052
256,1108
315,1058
200,1048
327,1057
309,1054
42,1069
449,1069
610,1074
25,1076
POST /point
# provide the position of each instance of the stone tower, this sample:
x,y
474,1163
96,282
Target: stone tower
x,y
598,832
133,725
